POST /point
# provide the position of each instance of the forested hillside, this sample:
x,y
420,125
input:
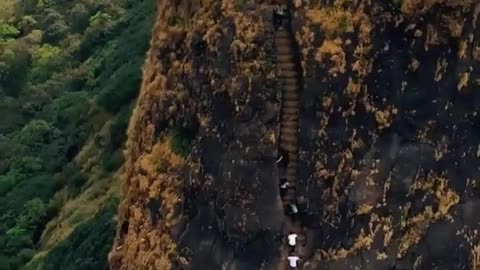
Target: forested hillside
x,y
69,74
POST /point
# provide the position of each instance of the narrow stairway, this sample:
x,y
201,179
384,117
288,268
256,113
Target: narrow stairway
x,y
291,88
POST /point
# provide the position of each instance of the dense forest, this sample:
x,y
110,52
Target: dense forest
x,y
69,75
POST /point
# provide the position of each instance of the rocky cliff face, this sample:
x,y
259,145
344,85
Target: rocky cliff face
x,y
390,133
208,76
389,140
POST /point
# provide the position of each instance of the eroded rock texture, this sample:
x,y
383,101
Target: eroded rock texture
x,y
390,133
209,75
389,138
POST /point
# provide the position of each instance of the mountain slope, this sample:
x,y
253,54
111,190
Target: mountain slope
x,y
69,72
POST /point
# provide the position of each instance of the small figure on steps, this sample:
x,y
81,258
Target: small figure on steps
x,y
279,15
292,241
292,260
280,10
302,203
283,187
283,183
292,209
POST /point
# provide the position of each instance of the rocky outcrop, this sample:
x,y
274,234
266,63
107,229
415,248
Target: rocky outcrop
x,y
209,73
388,138
389,132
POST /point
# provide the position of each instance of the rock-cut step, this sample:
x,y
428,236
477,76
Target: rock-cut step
x,y
290,124
282,33
289,73
290,97
286,65
289,130
292,138
289,147
282,41
284,58
291,111
291,104
284,50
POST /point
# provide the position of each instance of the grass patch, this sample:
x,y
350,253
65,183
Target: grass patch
x,y
88,245
181,142
240,5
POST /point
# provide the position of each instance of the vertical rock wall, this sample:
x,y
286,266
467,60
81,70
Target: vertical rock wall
x,y
389,132
209,73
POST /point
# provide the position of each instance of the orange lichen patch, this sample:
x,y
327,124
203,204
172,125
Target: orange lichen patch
x,y
305,38
333,20
424,131
463,81
364,240
333,51
417,7
384,118
476,53
353,89
213,34
433,37
414,64
327,104
150,245
364,209
361,67
248,27
455,25
462,49
339,177
388,232
441,68
418,225
475,253
356,143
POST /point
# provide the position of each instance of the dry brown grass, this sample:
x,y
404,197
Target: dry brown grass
x,y
417,225
333,21
417,7
463,81
476,257
150,246
384,118
333,51
152,170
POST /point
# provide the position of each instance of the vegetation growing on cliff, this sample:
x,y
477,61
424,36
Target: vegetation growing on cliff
x,y
349,53
69,72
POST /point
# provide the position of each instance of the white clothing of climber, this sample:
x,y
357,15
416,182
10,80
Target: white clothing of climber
x,y
280,10
292,239
294,208
293,261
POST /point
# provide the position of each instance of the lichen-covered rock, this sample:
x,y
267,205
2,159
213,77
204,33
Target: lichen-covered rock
x,y
389,133
208,73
